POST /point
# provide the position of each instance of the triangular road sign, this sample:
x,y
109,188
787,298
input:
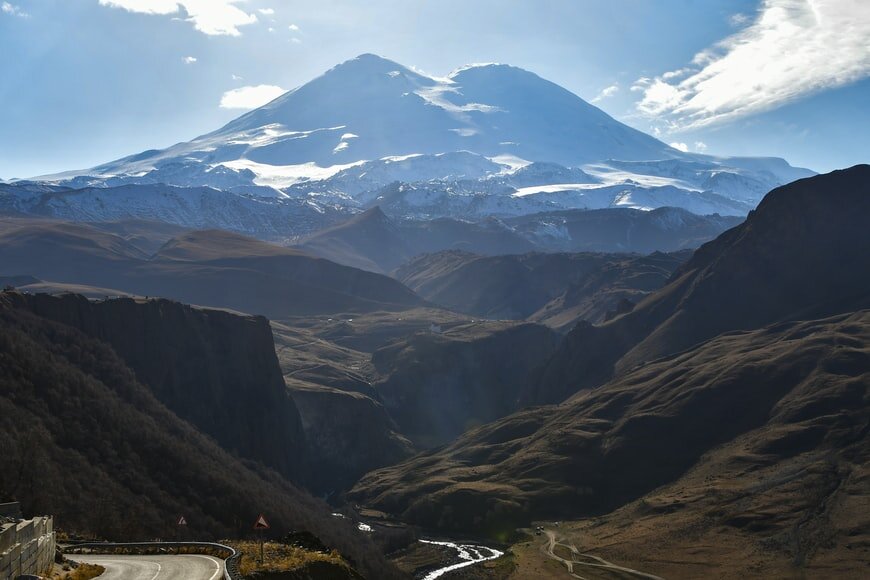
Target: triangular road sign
x,y
261,523
182,521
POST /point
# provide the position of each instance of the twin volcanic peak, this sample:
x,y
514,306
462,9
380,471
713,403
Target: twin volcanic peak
x,y
486,140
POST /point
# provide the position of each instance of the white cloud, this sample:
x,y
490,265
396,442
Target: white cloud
x,y
738,20
294,28
250,97
266,11
793,48
295,40
237,78
189,59
700,146
607,92
212,17
13,10
681,146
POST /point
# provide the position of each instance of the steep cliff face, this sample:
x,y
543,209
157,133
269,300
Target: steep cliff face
x,y
437,386
213,368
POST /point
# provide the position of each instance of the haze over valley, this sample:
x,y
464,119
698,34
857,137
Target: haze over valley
x,y
396,323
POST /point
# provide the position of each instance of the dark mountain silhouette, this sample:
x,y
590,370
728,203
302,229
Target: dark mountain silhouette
x,y
802,254
214,369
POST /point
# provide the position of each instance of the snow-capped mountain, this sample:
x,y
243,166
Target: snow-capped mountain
x,y
485,140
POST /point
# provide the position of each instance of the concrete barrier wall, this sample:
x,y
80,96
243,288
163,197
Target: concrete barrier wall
x,y
26,547
10,510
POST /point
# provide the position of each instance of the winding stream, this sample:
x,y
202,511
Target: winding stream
x,y
468,554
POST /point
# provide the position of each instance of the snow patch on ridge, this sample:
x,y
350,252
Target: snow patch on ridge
x,y
281,176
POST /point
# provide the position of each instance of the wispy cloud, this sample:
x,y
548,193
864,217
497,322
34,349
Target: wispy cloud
x,y
294,27
606,92
13,10
212,17
738,20
792,49
680,146
266,11
189,59
250,97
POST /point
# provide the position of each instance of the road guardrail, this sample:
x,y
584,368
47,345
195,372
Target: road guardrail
x,y
230,556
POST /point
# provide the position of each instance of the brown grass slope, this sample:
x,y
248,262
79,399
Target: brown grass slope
x,y
375,242
789,395
557,288
801,254
85,441
210,268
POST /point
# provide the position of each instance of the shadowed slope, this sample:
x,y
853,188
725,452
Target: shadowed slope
x,y
797,387
801,254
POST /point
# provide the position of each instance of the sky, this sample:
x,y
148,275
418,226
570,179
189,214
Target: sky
x,y
83,82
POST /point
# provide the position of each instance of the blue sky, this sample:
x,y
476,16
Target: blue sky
x,y
88,81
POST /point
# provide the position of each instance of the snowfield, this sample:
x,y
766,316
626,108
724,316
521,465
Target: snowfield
x,y
485,141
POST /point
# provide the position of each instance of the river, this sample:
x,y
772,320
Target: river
x,y
469,555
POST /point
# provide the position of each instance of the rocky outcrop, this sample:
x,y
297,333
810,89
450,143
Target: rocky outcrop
x,y
348,434
436,386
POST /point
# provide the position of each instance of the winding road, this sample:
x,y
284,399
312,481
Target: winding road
x,y
580,559
180,567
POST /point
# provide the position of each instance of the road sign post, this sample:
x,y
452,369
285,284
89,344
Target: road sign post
x,y
181,524
261,525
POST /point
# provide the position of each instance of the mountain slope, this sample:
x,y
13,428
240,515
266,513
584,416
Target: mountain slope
x,y
438,385
801,254
731,405
518,286
210,268
77,423
180,352
794,391
370,108
375,242
369,241
666,229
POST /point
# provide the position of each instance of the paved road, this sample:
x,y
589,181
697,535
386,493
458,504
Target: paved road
x,y
184,567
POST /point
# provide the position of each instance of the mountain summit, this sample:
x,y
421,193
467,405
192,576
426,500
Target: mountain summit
x,y
371,107
488,140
